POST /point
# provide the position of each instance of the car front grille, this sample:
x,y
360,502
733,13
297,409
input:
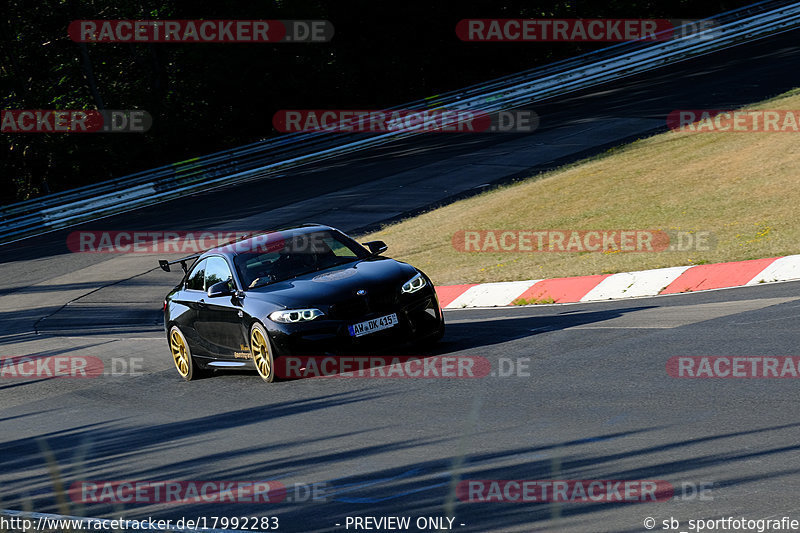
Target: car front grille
x,y
359,306
350,309
383,301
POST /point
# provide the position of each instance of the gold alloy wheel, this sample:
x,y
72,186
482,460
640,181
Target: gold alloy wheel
x,y
180,353
262,357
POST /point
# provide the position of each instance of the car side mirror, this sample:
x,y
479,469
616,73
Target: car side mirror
x,y
223,288
376,247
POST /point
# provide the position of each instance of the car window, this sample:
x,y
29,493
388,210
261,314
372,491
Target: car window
x,y
339,249
197,277
300,254
216,271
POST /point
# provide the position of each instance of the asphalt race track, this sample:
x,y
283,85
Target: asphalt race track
x,y
589,398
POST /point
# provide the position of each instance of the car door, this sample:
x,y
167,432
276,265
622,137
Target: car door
x,y
219,320
188,301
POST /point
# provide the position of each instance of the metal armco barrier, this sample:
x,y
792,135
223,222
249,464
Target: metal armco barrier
x,y
271,157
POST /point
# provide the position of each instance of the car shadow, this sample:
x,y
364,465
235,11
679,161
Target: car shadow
x,y
390,361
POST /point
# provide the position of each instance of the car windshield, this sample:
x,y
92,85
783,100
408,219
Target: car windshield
x,y
296,255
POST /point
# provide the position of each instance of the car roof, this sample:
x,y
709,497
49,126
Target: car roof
x,y
233,248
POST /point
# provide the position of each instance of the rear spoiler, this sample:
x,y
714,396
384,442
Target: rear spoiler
x,y
164,264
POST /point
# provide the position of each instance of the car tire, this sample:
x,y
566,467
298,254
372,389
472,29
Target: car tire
x,y
429,342
185,364
261,350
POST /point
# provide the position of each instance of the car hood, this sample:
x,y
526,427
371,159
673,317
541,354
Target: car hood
x,y
326,287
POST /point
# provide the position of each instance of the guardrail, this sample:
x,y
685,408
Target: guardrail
x,y
276,155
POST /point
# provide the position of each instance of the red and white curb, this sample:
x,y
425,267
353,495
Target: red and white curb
x,y
671,280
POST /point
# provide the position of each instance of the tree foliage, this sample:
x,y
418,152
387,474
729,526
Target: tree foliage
x,y
208,97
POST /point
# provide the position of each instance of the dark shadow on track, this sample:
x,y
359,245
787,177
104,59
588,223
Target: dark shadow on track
x,y
465,335
420,488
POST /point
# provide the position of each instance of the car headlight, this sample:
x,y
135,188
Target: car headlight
x,y
290,316
414,284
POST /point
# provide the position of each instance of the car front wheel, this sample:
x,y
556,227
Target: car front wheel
x,y
261,349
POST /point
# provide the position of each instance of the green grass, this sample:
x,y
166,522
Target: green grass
x,y
741,187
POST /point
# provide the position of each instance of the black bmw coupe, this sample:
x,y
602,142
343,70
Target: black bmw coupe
x,y
304,290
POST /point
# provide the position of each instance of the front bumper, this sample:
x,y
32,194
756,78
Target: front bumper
x,y
418,319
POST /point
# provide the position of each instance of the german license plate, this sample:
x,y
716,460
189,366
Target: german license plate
x,y
371,326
